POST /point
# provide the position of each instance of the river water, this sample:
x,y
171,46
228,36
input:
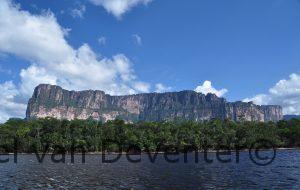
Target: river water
x,y
28,173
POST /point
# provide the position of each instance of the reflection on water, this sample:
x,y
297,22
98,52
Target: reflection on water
x,y
28,173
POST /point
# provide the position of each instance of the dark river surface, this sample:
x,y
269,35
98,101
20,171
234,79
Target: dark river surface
x,y
28,173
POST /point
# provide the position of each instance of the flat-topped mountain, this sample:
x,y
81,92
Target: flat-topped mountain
x,y
289,117
53,101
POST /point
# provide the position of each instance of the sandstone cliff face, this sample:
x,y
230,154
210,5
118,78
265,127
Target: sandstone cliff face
x,y
53,101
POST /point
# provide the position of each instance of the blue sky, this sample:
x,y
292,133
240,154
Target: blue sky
x,y
244,46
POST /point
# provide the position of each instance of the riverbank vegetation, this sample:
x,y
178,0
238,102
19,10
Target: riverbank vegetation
x,y
37,135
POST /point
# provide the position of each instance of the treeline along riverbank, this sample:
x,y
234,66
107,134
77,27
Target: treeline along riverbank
x,y
29,136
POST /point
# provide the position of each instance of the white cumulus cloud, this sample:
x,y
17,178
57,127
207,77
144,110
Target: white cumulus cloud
x,y
142,87
137,39
102,40
41,41
207,87
10,107
79,11
119,7
159,88
285,93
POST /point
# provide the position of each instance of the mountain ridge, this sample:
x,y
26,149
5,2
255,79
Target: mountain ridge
x,y
289,117
54,101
